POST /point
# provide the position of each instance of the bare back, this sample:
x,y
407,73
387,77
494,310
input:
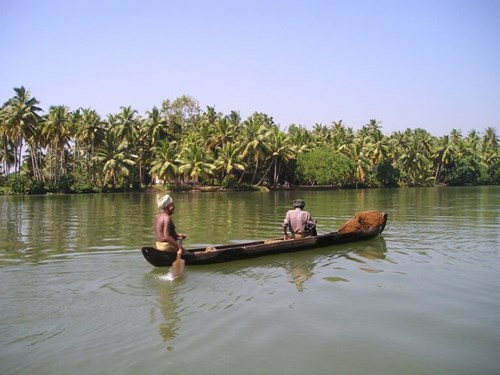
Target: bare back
x,y
164,228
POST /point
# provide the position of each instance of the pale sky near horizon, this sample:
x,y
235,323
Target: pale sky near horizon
x,y
431,64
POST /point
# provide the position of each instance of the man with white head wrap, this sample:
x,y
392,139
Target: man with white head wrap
x,y
167,238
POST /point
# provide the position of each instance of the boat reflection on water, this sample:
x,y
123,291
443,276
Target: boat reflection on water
x,y
301,268
374,249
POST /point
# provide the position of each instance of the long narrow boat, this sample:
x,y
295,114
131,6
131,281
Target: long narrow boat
x,y
363,226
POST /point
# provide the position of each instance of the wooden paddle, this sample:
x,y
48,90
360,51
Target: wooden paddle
x,y
179,264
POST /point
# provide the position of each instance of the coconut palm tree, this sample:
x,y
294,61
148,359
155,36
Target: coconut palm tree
x,y
234,119
444,155
127,124
491,153
89,134
355,152
155,127
164,164
377,147
224,132
490,139
20,119
415,157
56,132
473,141
340,135
281,150
321,134
229,159
301,139
194,161
6,146
254,141
114,157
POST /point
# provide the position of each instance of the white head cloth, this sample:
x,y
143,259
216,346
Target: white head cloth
x,y
165,201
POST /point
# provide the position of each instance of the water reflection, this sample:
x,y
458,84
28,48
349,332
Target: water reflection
x,y
375,249
300,272
167,295
363,254
301,266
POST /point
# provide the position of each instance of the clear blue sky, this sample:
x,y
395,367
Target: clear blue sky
x,y
433,64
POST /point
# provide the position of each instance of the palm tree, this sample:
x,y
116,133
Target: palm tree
x,y
301,139
194,161
474,142
89,134
321,134
341,135
254,142
444,155
115,158
155,126
414,159
6,145
127,124
234,119
281,151
355,152
373,127
229,159
490,139
57,135
164,163
20,120
377,146
224,132
491,152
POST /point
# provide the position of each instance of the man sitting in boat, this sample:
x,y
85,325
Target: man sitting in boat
x,y
299,222
167,238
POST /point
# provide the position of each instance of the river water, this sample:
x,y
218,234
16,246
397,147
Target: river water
x,y
77,297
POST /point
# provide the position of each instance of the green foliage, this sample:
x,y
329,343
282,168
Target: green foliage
x,y
79,152
17,184
387,175
494,173
22,184
484,177
324,167
465,172
229,182
62,185
81,182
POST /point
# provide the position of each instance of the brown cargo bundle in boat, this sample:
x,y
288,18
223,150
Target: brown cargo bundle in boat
x,y
365,220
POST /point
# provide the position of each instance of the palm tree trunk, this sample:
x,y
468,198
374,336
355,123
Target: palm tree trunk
x,y
255,172
265,174
275,177
438,171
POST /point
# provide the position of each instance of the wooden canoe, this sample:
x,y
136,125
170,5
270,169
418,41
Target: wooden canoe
x,y
363,226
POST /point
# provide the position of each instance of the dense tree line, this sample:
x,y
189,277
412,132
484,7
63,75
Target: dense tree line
x,y
179,145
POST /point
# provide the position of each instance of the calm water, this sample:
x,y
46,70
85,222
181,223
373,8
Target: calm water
x,y
77,297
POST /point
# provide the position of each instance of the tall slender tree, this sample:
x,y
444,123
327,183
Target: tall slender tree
x,y
255,144
56,132
20,119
